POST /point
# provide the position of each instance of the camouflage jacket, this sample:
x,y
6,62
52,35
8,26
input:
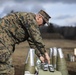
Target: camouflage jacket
x,y
22,26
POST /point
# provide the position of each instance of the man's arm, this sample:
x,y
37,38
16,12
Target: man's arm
x,y
32,45
35,34
37,52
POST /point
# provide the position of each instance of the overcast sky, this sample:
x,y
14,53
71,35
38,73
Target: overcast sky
x,y
63,12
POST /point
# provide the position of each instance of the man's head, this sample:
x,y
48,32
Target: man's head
x,y
42,17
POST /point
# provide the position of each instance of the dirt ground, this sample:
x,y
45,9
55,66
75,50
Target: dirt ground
x,y
20,53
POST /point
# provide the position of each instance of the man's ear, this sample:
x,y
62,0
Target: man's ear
x,y
40,16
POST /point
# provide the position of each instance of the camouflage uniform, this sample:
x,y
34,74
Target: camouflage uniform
x,y
15,28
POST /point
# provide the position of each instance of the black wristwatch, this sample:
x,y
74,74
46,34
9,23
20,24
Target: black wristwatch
x,y
40,55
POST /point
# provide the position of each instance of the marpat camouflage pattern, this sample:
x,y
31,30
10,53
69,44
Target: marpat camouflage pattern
x,y
14,29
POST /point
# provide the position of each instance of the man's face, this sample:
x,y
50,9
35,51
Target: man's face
x,y
40,20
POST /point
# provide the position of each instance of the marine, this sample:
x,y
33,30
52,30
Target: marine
x,y
18,27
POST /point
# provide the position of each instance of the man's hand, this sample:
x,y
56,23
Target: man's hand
x,y
45,58
42,59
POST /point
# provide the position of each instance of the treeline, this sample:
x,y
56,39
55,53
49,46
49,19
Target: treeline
x,y
68,32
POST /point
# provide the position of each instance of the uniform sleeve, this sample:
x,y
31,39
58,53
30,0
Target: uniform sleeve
x,y
32,45
34,33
